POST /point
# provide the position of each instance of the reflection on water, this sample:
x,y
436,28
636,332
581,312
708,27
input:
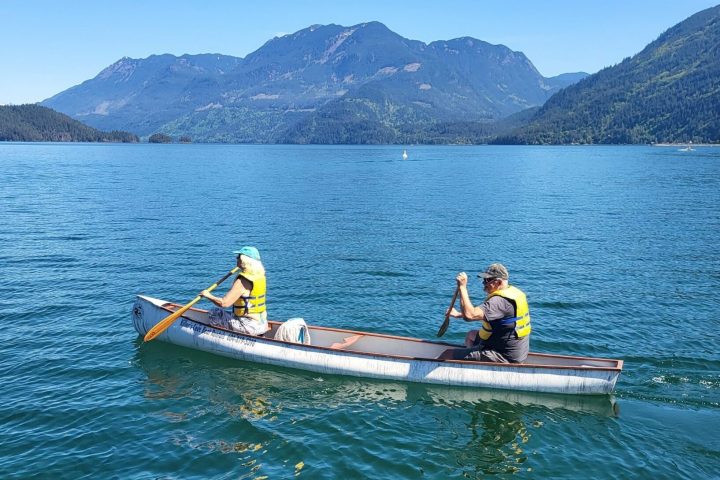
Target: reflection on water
x,y
177,373
268,411
497,443
187,390
603,405
256,386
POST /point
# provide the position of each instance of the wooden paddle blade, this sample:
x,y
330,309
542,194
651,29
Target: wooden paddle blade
x,y
165,323
444,327
446,323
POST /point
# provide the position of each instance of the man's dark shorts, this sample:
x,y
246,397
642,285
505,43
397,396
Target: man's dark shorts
x,y
478,355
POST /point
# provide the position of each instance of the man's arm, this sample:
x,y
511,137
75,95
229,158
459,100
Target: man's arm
x,y
470,312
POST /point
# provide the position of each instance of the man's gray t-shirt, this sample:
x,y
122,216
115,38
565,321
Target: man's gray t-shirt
x,y
503,339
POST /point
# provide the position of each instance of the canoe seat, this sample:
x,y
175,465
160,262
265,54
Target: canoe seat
x,y
347,341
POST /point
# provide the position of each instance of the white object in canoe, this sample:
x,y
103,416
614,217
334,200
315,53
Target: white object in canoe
x,y
362,354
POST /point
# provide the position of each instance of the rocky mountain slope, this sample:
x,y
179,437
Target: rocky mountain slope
x,y
323,84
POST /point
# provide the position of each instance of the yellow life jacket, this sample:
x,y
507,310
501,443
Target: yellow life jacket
x,y
521,318
252,305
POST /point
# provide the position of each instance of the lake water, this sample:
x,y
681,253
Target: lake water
x,y
616,248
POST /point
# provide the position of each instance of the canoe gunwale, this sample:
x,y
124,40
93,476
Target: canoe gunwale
x,y
618,368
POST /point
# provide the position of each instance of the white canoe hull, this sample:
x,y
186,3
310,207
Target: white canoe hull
x,y
380,356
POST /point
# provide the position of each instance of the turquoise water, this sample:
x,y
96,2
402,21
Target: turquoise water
x,y
615,246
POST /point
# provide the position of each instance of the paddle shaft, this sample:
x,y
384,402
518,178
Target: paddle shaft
x,y
165,323
446,323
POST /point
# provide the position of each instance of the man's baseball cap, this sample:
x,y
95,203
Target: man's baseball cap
x,y
496,270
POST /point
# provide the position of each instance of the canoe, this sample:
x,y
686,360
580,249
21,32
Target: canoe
x,y
373,355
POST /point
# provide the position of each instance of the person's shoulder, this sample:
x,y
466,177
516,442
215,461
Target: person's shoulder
x,y
501,303
499,300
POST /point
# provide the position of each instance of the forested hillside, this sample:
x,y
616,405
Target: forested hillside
x,y
33,123
669,92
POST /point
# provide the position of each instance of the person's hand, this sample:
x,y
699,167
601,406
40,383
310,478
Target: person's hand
x,y
205,294
455,313
461,279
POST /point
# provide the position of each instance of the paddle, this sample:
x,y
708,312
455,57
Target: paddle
x,y
163,324
446,323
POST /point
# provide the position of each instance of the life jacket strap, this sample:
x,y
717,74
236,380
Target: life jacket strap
x,y
508,321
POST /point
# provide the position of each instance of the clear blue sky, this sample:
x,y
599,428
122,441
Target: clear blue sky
x,y
48,46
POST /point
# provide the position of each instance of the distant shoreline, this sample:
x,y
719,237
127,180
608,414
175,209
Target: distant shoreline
x,y
117,142
693,145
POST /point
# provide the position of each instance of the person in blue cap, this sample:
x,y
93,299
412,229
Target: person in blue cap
x,y
246,297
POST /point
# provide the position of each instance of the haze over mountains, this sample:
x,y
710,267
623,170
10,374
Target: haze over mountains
x,y
323,84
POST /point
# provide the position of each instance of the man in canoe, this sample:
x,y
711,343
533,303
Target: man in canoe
x,y
246,296
505,333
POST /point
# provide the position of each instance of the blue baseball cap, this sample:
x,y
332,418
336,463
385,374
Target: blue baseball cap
x,y
251,252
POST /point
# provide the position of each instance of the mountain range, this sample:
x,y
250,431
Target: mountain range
x,y
366,84
322,84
